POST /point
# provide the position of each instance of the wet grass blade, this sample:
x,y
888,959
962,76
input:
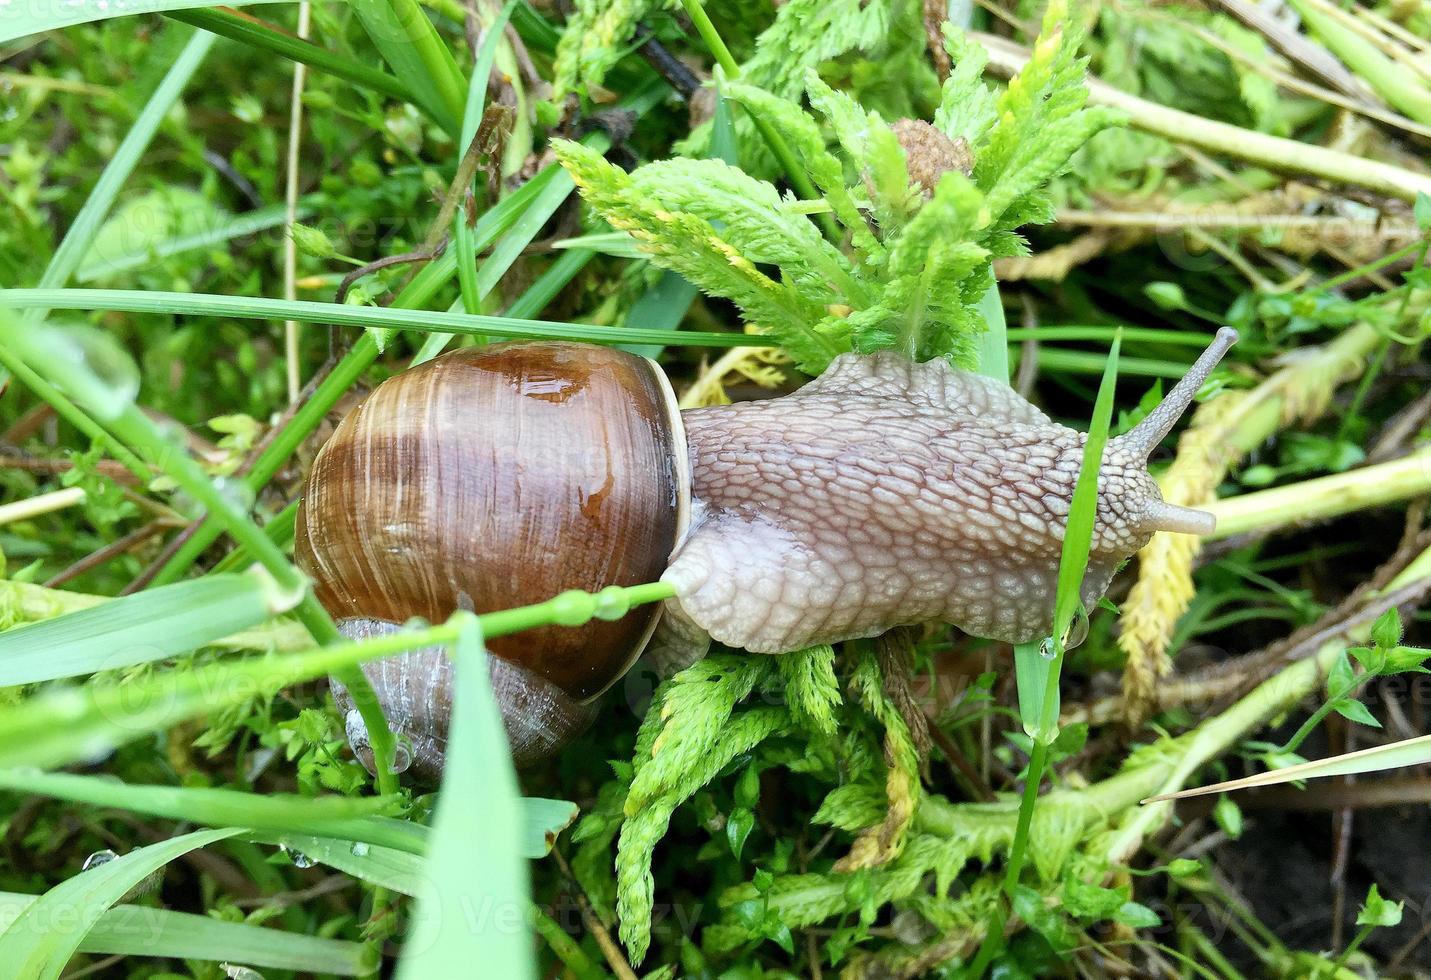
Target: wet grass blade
x,y
208,304
478,876
35,949
140,628
131,930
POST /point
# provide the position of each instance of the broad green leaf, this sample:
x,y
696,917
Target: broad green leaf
x,y
130,930
35,948
476,911
139,628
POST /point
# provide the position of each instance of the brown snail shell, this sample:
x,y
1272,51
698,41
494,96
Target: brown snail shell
x,y
490,478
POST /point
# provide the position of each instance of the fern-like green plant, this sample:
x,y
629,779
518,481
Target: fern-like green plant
x,y
913,258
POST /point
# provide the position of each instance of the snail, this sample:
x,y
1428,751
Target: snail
x,y
883,493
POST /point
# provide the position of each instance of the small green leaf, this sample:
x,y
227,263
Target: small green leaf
x,y
737,828
1228,816
1168,295
1386,631
1377,911
1137,916
1422,210
1340,677
1183,867
1354,710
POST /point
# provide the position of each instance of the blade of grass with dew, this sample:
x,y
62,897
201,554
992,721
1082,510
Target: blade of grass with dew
x,y
249,30
474,863
411,46
462,239
35,18
36,949
1396,755
1037,674
73,724
92,382
81,234
208,304
140,628
131,930
64,725
342,817
386,867
235,226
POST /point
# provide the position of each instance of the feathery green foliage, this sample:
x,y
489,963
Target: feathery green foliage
x,y
915,266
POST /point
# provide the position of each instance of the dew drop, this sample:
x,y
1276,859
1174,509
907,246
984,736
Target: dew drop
x,y
236,492
402,754
360,849
299,859
106,379
234,972
1045,648
98,858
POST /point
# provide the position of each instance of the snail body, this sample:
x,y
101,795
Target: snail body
x,y
883,493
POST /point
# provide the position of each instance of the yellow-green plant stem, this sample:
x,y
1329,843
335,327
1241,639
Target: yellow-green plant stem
x,y
1273,152
1325,497
1394,83
798,178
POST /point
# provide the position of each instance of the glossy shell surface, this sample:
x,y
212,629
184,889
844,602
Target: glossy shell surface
x,y
495,477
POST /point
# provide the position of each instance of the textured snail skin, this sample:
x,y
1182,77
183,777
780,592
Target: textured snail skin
x,y
889,493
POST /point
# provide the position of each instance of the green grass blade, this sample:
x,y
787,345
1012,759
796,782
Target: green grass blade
x,y
341,817
66,725
474,864
472,118
408,42
994,342
23,20
249,30
242,307
82,231
99,266
1396,755
131,930
386,867
87,222
1078,538
137,629
36,949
